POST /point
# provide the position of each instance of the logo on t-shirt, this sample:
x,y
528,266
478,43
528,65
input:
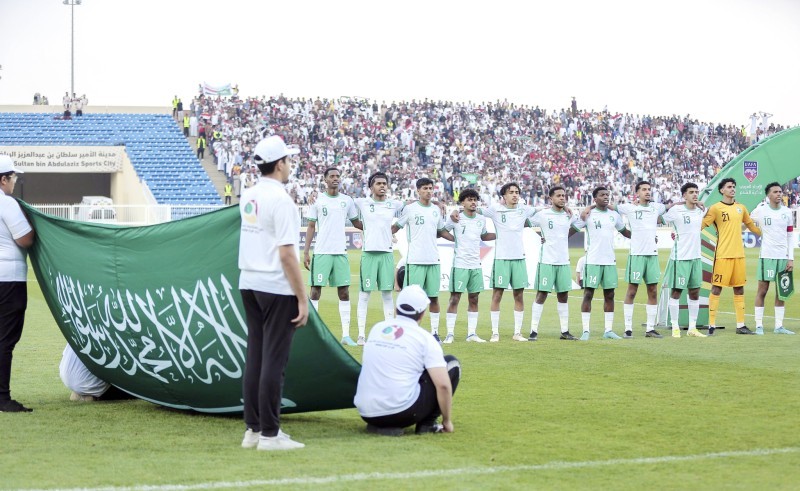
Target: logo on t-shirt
x,y
250,212
391,333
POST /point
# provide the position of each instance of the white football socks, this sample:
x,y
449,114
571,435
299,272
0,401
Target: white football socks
x,y
694,311
344,314
536,316
472,323
609,321
450,322
388,305
760,316
361,313
518,321
627,311
563,315
435,323
652,312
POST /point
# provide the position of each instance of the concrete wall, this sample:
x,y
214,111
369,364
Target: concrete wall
x,y
127,188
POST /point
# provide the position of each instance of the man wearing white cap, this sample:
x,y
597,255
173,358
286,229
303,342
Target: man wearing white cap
x,y
273,294
405,378
16,235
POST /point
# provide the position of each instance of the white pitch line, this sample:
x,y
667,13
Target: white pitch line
x,y
459,472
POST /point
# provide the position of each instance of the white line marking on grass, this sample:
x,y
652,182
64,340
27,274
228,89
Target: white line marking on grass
x,y
465,471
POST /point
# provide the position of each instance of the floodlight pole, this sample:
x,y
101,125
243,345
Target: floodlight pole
x,y
72,4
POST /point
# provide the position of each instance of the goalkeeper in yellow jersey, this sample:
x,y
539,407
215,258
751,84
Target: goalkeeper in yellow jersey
x,y
729,266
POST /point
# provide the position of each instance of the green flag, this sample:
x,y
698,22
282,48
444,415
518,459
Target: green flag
x,y
785,285
156,311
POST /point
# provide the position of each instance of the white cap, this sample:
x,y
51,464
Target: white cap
x,y
7,165
412,300
271,149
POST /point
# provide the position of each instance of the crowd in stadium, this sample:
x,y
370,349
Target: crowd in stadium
x,y
462,144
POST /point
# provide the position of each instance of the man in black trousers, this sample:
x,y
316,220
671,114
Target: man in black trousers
x,y
273,293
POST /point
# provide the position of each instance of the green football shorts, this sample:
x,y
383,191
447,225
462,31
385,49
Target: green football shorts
x,y
329,270
643,269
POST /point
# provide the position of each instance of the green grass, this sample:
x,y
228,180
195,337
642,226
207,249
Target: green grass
x,y
519,404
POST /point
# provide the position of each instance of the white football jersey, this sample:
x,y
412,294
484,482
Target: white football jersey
x,y
688,226
467,233
555,227
601,226
643,222
508,225
331,214
422,224
777,229
377,218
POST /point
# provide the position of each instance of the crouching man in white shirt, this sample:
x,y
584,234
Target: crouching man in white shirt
x,y
85,386
405,377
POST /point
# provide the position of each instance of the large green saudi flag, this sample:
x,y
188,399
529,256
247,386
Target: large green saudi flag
x,y
774,159
156,311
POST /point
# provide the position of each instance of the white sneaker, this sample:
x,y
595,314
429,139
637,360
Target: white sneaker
x,y
361,341
250,439
448,339
495,338
519,337
280,442
474,338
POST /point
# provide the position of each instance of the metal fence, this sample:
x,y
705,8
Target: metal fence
x,y
125,214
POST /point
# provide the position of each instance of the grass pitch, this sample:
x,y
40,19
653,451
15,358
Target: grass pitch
x,y
717,413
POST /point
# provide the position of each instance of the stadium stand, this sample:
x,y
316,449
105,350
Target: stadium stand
x,y
155,145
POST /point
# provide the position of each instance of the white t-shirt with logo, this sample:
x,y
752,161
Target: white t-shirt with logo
x,y
331,214
13,225
601,227
396,354
688,226
555,227
776,229
508,224
377,218
270,219
643,222
422,224
467,232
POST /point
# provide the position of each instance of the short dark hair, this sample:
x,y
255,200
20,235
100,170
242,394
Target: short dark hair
x,y
468,193
416,317
377,175
556,188
725,181
688,186
424,182
597,190
329,170
266,168
771,185
506,187
640,184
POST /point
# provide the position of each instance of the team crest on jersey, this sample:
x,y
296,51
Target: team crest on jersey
x,y
342,204
738,210
750,170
